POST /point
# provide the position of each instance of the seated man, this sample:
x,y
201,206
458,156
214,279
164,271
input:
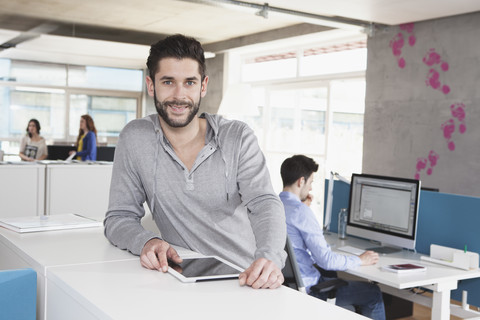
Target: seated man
x,y
311,248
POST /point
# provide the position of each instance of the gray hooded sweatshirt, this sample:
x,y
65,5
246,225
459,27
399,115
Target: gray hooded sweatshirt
x,y
225,205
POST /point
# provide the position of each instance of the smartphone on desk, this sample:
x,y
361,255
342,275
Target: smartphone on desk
x,y
404,268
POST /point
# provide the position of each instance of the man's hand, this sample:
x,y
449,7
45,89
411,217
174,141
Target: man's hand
x,y
262,274
308,200
369,258
156,253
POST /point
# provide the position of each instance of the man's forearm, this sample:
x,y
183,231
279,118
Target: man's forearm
x,y
126,233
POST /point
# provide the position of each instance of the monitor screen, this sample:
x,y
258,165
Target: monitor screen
x,y
384,209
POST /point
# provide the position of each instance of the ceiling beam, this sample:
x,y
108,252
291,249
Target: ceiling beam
x,y
256,38
24,24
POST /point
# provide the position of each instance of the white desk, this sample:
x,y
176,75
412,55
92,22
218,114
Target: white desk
x,y
41,250
440,279
22,189
82,276
123,290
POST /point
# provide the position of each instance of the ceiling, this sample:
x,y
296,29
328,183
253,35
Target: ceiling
x,y
119,32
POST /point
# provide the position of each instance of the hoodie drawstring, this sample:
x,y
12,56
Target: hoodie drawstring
x,y
157,150
226,165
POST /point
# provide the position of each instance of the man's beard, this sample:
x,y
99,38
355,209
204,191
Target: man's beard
x,y
162,111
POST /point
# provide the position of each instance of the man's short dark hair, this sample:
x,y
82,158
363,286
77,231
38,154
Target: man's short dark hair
x,y
296,167
176,46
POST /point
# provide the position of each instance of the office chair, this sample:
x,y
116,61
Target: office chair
x,y
293,279
291,272
329,286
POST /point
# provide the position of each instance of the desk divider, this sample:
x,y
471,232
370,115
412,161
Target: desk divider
x,y
445,219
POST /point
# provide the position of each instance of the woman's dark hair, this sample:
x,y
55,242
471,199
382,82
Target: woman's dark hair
x,y
37,125
176,46
90,126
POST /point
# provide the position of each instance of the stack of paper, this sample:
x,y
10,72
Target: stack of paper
x,y
46,223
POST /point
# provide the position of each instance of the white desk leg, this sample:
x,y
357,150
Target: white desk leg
x,y
441,300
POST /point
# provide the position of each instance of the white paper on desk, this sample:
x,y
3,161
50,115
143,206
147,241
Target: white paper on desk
x,y
47,223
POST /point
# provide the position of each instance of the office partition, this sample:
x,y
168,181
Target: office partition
x,y
22,190
78,188
445,219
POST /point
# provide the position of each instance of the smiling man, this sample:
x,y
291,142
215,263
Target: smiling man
x,y
204,178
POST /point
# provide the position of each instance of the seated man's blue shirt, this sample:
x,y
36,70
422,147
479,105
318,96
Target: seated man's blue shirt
x,y
308,242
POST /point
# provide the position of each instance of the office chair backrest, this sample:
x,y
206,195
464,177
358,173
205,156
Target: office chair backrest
x,y
293,278
291,272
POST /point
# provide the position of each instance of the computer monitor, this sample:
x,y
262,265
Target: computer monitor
x,y
384,209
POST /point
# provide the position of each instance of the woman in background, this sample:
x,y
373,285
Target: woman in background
x,y
86,140
33,146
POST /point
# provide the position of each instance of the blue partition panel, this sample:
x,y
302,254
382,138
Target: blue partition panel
x,y
453,221
445,219
18,294
341,195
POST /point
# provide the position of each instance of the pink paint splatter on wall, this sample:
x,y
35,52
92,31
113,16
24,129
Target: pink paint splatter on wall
x,y
397,44
421,164
458,112
436,67
408,27
432,59
433,80
432,157
398,41
448,128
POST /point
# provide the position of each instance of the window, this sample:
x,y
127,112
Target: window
x,y
317,63
18,105
105,78
292,121
109,113
346,134
29,72
297,115
311,101
268,67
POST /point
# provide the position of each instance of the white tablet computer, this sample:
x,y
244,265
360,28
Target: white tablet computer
x,y
204,269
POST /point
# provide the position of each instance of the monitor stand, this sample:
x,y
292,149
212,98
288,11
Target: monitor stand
x,y
385,250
